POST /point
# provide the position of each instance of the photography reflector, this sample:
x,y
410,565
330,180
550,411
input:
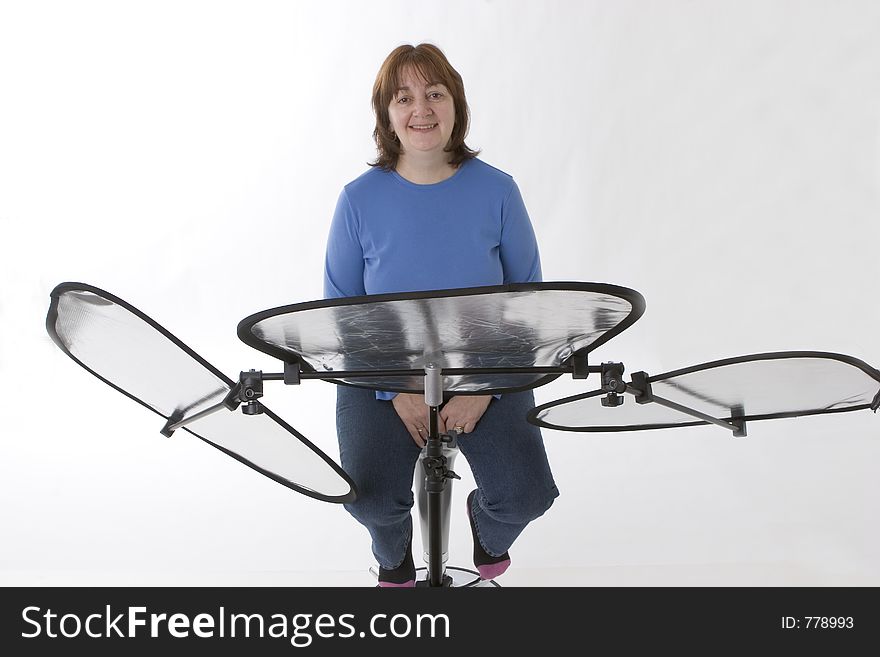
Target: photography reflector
x,y
132,353
753,387
526,325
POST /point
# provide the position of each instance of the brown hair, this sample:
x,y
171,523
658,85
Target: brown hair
x,y
430,63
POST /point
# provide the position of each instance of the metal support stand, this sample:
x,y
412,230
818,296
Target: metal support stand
x,y
450,451
436,474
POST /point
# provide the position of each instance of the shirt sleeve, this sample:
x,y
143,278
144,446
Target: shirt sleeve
x,y
344,260
520,259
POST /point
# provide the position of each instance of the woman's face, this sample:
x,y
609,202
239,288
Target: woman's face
x,y
422,115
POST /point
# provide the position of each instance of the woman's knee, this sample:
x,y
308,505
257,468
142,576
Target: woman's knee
x,y
378,508
521,506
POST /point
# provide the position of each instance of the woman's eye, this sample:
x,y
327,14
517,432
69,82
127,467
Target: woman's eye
x,y
402,100
436,95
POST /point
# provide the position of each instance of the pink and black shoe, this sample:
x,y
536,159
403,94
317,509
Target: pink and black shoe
x,y
488,566
404,576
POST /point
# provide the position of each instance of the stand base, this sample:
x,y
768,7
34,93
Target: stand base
x,y
457,577
453,576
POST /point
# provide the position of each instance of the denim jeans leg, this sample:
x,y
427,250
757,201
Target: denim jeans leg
x,y
507,457
378,453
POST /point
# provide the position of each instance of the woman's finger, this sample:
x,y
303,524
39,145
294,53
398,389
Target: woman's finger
x,y
418,434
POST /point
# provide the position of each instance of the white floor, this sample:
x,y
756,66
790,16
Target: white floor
x,y
712,575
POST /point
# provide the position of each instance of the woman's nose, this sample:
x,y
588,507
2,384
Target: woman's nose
x,y
421,107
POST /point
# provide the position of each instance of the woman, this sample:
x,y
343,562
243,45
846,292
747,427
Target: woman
x,y
428,188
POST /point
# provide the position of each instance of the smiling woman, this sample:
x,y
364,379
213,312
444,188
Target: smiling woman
x,y
430,215
417,88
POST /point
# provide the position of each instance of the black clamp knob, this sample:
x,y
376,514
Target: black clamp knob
x,y
450,439
252,408
612,399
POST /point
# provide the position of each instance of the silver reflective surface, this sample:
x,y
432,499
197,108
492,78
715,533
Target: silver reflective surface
x,y
131,354
270,447
128,351
535,328
781,386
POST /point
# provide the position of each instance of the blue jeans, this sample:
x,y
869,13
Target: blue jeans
x,y
506,455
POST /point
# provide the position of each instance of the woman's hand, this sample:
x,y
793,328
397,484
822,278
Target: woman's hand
x,y
462,413
413,412
459,414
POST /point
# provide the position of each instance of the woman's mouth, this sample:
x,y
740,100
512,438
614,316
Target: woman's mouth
x,y
425,127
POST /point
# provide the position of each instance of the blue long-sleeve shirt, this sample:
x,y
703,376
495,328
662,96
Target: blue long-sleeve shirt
x,y
391,235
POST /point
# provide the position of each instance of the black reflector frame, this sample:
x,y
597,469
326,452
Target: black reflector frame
x,y
132,353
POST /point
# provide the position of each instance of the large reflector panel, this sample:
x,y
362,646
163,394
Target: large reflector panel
x,y
754,387
132,353
510,326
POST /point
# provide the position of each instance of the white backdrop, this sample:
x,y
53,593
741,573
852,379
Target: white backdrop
x,y
720,157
